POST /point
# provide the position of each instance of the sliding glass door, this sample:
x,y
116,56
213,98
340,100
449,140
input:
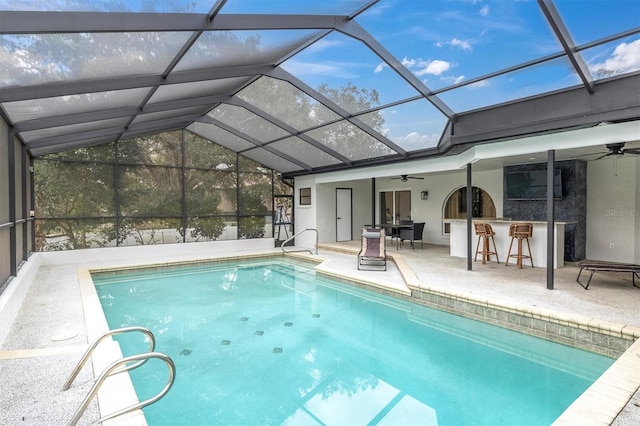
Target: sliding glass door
x,y
395,206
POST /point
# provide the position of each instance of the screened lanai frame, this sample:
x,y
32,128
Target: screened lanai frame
x,y
119,93
274,36
171,188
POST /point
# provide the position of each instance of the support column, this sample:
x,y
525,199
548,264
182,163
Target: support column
x,y
373,201
13,258
469,218
551,159
24,171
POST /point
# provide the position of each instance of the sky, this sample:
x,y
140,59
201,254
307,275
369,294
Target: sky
x,y
450,42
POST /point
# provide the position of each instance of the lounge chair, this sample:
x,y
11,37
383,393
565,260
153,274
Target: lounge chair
x,y
412,234
373,249
608,267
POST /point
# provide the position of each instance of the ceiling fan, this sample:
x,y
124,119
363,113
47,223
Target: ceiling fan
x,y
616,151
405,178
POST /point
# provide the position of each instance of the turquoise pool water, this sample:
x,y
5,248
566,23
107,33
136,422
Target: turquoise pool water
x,y
270,343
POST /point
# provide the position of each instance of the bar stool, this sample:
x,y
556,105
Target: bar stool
x,y
484,231
520,231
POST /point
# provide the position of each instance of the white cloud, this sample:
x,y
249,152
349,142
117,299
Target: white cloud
x,y
455,42
481,83
484,11
625,58
435,67
421,67
408,62
462,44
312,68
414,140
323,44
454,79
380,67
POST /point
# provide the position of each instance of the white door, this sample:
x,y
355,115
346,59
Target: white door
x,y
343,214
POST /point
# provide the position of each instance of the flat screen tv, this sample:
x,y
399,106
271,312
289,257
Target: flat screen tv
x,y
532,185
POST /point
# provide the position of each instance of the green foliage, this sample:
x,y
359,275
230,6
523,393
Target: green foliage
x,y
206,227
256,199
297,109
251,227
343,136
353,99
152,189
65,191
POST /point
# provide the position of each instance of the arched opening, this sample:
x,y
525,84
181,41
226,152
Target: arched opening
x,y
456,205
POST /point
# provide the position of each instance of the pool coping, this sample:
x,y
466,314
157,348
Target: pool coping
x,y
117,391
601,403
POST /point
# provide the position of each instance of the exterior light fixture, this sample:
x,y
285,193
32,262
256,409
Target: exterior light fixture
x,y
424,195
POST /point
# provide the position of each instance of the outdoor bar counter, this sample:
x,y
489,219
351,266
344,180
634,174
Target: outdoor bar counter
x,y
538,241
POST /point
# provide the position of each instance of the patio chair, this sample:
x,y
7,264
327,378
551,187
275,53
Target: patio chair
x,y
373,249
413,234
395,231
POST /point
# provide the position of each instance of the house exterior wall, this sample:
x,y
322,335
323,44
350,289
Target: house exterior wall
x,y
321,215
305,216
570,208
613,210
612,205
440,186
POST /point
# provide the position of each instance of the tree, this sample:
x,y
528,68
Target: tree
x,y
345,137
74,197
255,198
297,109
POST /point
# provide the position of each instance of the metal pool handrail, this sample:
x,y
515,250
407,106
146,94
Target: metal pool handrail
x,y
90,349
301,248
141,358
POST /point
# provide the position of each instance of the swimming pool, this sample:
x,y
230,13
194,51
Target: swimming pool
x,y
271,343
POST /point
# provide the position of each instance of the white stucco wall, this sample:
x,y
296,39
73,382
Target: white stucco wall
x,y
613,202
440,186
305,216
322,212
613,210
321,215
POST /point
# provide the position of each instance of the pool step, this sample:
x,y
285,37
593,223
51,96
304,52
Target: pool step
x,y
298,249
294,248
